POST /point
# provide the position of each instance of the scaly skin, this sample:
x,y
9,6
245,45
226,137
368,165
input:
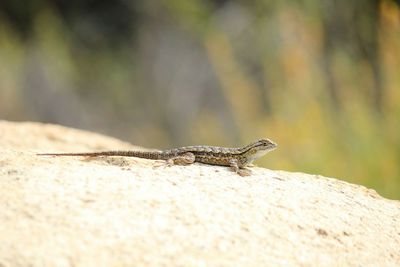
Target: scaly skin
x,y
236,158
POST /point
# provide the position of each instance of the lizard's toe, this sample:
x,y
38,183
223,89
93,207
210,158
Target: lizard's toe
x,y
163,163
244,172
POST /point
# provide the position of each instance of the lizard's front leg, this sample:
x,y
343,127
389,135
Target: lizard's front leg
x,y
184,159
233,163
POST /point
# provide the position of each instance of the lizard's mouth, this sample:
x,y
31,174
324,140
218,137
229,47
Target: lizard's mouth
x,y
272,145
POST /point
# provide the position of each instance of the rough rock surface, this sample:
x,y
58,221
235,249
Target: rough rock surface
x,y
72,211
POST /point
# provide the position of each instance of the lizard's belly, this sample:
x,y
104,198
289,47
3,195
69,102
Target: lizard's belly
x,y
213,160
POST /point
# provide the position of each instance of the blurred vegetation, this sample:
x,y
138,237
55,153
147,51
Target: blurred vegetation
x,y
321,78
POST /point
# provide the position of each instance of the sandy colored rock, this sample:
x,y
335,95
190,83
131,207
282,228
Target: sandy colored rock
x,y
130,212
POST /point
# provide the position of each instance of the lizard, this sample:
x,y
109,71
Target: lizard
x,y
235,158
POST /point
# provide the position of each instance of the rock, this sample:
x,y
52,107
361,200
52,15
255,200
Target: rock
x,y
73,211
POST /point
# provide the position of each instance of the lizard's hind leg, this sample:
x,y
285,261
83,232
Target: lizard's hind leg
x,y
184,159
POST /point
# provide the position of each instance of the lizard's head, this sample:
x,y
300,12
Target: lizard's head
x,y
258,149
264,144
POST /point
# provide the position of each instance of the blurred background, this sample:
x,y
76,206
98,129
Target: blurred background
x,y
319,77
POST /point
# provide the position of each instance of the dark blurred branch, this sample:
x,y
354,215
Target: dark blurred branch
x,y
90,22
352,27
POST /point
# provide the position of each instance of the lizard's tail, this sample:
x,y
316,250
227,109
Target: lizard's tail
x,y
137,154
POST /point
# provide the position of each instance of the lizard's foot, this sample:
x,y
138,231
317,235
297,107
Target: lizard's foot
x,y
233,163
244,172
185,159
162,163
